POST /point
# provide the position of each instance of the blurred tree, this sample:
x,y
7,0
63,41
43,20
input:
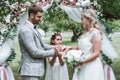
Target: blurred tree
x,y
60,21
114,25
76,28
44,26
110,9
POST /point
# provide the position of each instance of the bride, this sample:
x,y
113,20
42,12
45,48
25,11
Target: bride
x,y
90,68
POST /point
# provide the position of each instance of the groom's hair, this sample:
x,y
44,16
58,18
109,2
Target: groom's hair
x,y
34,9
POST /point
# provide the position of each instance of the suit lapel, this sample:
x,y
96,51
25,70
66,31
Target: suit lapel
x,y
37,34
39,37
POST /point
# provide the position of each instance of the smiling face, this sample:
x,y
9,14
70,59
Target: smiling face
x,y
57,40
85,22
35,14
37,18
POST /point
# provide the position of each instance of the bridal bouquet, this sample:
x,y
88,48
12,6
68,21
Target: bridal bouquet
x,y
73,56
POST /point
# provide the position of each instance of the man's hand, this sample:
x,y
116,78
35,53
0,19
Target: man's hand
x,y
57,49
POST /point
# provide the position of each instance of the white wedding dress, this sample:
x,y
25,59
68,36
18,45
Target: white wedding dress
x,y
94,69
57,72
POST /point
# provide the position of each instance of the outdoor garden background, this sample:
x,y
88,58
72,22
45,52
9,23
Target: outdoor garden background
x,y
57,20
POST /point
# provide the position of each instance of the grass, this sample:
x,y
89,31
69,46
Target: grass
x,y
66,41
116,64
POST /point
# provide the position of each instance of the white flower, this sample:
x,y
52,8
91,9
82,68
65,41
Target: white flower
x,y
74,56
84,3
7,18
78,4
27,3
70,59
33,1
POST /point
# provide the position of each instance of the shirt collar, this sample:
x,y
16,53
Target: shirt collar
x,y
32,25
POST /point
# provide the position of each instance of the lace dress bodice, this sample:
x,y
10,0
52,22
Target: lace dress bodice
x,y
92,70
85,42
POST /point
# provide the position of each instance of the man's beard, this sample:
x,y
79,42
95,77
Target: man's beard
x,y
35,21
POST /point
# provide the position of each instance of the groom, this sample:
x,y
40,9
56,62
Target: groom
x,y
32,48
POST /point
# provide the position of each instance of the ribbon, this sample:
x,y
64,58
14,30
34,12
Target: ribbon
x,y
75,73
3,74
108,72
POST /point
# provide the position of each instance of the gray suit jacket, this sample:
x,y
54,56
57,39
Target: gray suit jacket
x,y
33,51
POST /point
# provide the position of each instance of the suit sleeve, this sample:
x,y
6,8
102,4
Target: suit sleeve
x,y
27,39
47,46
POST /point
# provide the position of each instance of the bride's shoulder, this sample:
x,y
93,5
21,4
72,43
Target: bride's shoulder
x,y
94,30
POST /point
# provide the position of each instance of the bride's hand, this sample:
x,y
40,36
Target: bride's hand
x,y
66,48
75,65
63,48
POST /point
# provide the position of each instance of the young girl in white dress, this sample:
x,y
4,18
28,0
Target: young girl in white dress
x,y
90,43
57,69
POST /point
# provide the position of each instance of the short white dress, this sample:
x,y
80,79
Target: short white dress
x,y
94,69
57,72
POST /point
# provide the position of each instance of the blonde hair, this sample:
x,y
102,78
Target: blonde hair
x,y
92,16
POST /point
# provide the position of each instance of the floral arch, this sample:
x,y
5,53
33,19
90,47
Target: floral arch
x,y
18,15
